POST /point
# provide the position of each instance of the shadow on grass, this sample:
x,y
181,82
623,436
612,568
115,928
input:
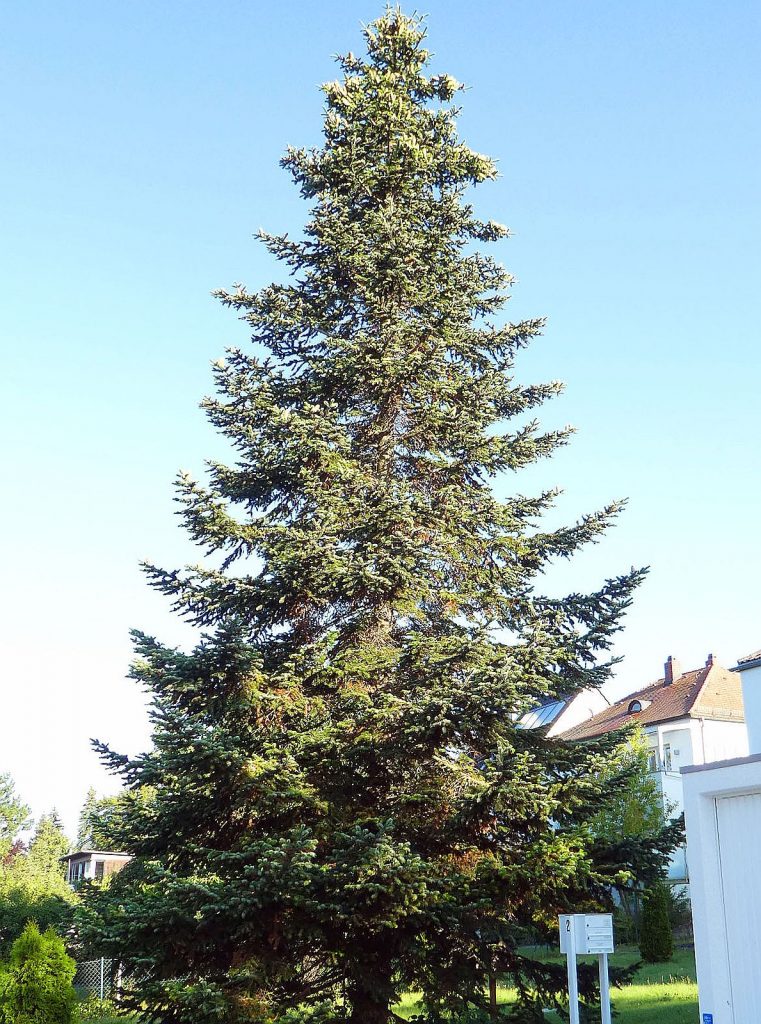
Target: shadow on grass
x,y
670,1002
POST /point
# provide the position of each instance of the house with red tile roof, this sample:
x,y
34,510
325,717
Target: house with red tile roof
x,y
687,718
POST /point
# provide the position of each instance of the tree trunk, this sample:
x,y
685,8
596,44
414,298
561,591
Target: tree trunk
x,y
365,1010
493,996
368,1005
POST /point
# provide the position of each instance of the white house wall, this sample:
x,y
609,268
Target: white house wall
x,y
677,736
585,705
689,742
718,741
694,741
723,821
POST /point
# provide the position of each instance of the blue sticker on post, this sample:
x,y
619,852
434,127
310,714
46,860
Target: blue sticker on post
x,y
707,1018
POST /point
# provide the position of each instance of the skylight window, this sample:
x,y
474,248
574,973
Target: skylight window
x,y
541,716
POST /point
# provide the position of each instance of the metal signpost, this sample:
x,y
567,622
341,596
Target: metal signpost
x,y
582,934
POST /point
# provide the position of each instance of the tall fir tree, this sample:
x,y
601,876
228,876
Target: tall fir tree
x,y
93,830
87,813
48,844
342,803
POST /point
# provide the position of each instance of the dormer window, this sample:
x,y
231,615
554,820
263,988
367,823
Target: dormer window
x,y
635,707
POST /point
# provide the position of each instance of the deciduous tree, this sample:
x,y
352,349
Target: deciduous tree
x,y
636,828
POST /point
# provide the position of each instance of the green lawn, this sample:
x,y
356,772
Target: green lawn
x,y
660,993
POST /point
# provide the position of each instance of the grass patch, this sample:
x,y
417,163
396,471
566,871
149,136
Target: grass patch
x,y
659,994
680,967
672,1002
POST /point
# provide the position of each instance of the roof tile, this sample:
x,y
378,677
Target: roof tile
x,y
709,692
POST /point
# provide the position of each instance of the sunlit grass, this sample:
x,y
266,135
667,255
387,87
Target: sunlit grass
x,y
660,994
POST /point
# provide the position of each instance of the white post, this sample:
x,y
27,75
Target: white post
x,y
604,989
102,978
573,981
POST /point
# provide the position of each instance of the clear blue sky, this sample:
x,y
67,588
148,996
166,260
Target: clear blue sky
x,y
140,147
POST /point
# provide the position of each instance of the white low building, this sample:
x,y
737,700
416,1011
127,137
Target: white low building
x,y
92,865
723,821
687,718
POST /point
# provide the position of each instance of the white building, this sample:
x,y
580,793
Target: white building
x,y
94,865
723,820
687,718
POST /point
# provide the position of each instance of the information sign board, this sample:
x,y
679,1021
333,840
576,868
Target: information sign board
x,y
592,933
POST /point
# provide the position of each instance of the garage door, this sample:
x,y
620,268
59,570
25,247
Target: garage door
x,y
738,820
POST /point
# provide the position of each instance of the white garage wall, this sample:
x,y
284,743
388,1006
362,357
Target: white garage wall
x,y
738,821
723,819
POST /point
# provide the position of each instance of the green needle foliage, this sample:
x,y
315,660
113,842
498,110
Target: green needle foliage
x,y
340,802
94,818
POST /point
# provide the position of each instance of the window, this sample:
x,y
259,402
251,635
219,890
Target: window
x,y
667,757
541,716
635,707
652,760
99,866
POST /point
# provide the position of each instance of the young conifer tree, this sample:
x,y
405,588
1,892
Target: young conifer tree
x,y
36,983
342,804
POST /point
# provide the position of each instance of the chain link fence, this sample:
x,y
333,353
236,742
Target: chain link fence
x,y
97,978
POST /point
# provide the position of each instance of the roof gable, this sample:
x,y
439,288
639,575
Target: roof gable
x,y
709,692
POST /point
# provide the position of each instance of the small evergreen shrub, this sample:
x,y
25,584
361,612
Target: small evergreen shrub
x,y
36,983
656,942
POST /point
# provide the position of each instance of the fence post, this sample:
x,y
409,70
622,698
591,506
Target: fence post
x,y
102,978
